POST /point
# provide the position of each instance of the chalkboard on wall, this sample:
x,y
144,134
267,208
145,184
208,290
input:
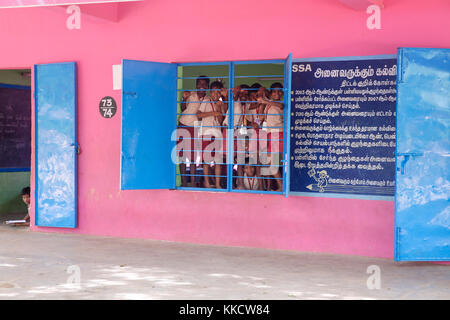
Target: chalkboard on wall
x,y
15,128
343,126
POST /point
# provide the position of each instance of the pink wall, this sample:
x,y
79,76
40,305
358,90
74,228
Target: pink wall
x,y
205,30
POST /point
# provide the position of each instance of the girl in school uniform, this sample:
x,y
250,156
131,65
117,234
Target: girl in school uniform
x,y
211,115
186,130
273,122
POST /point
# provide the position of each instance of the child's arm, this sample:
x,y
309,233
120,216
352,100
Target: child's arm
x,y
219,107
202,115
186,95
261,112
266,101
258,175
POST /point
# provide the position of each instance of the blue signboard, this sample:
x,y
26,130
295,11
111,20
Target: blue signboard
x,y
343,126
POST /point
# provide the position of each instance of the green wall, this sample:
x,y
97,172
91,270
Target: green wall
x,y
216,72
11,184
15,77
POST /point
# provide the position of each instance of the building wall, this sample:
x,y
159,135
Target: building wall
x,y
201,30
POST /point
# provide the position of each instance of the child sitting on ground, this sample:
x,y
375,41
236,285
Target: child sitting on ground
x,y
26,199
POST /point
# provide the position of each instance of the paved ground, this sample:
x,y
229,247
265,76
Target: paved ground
x,y
42,266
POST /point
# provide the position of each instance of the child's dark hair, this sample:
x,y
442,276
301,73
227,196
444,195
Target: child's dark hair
x,y
26,191
202,78
276,85
256,86
216,84
245,86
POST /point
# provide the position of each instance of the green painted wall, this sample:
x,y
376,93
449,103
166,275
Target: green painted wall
x,y
11,185
217,72
15,77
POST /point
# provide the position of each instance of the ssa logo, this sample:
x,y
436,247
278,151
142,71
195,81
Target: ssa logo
x,y
301,67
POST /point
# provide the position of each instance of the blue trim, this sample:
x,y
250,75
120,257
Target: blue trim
x,y
230,130
261,76
15,170
196,64
259,62
348,58
13,86
341,196
257,191
396,228
36,185
287,125
201,189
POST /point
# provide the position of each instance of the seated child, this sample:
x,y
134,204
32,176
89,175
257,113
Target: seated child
x,y
26,199
252,180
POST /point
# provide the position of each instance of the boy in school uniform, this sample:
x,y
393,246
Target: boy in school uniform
x,y
252,118
187,129
251,180
211,116
273,118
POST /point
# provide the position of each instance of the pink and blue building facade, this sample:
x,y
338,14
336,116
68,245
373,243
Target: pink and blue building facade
x,y
78,55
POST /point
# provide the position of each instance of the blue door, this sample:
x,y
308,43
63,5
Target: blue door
x,y
422,206
56,146
149,98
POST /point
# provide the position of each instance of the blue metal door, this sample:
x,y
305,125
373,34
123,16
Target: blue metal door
x,y
56,146
422,207
149,97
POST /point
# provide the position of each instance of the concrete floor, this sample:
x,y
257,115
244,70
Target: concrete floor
x,y
36,265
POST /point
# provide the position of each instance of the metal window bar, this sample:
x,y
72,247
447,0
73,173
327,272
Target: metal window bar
x,y
199,171
259,139
231,127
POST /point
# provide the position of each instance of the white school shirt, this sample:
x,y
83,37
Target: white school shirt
x,y
237,115
250,113
189,115
274,118
251,183
208,123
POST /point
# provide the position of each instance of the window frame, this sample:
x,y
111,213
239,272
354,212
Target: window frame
x,y
230,141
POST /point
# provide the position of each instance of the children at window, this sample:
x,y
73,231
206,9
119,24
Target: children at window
x,y
186,129
210,114
273,118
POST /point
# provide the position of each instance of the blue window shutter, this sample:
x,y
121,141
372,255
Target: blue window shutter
x,y
56,146
149,97
422,205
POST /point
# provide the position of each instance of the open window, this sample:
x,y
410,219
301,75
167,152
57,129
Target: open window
x,y
15,143
205,126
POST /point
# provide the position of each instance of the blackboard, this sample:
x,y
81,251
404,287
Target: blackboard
x,y
343,126
15,127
